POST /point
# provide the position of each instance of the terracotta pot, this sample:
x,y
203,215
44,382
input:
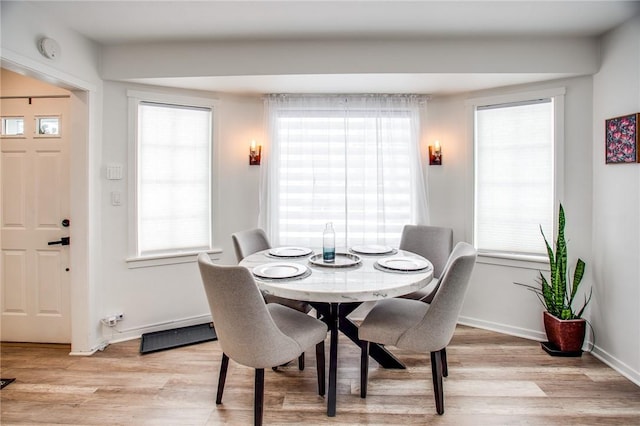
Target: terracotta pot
x,y
565,335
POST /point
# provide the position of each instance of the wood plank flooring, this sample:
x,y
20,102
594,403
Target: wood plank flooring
x,y
493,380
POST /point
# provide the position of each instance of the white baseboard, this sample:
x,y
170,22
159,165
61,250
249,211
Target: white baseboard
x,y
98,347
616,364
504,329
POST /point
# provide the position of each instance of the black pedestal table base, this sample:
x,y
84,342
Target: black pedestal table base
x,y
335,316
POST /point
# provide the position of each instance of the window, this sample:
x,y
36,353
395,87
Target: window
x,y
48,126
173,196
12,126
350,160
516,182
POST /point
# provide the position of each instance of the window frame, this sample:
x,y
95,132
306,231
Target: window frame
x,y
37,126
135,98
4,133
526,261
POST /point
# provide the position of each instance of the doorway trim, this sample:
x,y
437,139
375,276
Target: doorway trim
x,y
84,158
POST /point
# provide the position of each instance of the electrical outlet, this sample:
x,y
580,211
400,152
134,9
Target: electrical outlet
x,y
112,320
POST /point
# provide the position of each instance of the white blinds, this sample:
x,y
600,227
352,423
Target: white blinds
x,y
514,185
173,178
353,161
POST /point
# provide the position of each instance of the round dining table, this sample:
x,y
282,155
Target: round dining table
x,y
336,289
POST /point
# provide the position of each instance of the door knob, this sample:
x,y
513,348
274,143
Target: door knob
x,y
65,223
64,241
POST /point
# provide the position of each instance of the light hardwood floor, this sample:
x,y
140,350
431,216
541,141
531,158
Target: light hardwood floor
x,y
493,380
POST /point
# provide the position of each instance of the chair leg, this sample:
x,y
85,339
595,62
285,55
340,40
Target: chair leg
x,y
364,367
320,367
222,377
445,368
258,407
436,374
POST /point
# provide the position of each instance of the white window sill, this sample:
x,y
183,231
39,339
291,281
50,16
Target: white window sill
x,y
514,260
168,259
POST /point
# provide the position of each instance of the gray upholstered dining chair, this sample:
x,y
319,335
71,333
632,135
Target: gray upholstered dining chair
x,y
421,327
254,240
253,333
434,243
249,241
431,242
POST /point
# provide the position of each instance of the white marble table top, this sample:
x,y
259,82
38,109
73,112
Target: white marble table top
x,y
359,283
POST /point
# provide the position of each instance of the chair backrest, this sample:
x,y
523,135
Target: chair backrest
x,y
245,329
249,242
435,330
432,242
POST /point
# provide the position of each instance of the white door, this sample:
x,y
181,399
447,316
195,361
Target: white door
x,y
35,297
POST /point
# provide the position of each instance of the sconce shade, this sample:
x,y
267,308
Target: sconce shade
x,y
255,152
435,155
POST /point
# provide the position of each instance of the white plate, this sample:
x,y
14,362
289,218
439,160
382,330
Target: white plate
x,y
403,263
290,251
279,270
372,249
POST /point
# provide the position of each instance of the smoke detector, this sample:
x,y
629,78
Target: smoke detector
x,y
49,48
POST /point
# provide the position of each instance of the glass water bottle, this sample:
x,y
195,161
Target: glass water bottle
x,y
329,244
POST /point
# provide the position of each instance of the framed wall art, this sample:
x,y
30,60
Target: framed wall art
x,y
621,139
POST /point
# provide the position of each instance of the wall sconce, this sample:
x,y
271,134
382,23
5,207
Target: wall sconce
x,y
254,154
435,154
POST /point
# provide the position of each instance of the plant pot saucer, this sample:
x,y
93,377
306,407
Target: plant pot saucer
x,y
552,350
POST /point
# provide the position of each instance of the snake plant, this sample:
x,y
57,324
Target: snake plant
x,y
557,294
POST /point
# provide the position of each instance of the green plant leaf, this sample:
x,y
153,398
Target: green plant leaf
x,y
552,259
547,295
537,291
560,273
577,277
586,302
566,314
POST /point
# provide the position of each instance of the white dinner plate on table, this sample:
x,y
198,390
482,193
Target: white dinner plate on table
x,y
403,263
279,270
290,251
372,249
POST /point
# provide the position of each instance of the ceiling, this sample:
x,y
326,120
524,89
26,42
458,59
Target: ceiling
x,y
115,22
126,22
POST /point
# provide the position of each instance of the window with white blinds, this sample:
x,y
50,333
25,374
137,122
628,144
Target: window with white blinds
x,y
355,166
514,176
173,178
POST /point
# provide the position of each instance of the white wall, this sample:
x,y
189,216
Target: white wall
x,y
493,300
169,296
616,208
22,27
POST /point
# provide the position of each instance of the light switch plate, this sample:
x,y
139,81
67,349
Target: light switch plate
x,y
116,198
114,171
